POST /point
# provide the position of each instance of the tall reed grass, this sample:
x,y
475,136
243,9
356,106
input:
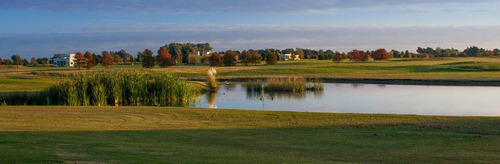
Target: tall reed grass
x,y
294,85
114,88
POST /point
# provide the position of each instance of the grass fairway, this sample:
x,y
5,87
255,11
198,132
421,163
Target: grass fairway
x,y
183,135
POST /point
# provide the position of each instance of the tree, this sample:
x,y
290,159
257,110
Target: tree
x,y
17,60
272,58
246,57
300,52
381,54
1,63
118,59
33,61
25,62
229,58
338,57
473,51
164,58
7,62
215,59
90,60
356,56
175,50
124,55
187,49
148,60
255,58
107,59
80,60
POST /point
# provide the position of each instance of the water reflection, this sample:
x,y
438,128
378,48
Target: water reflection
x,y
211,99
363,98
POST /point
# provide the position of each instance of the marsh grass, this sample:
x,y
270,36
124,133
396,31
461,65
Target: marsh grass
x,y
111,88
293,85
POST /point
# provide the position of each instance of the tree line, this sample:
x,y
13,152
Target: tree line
x,y
200,53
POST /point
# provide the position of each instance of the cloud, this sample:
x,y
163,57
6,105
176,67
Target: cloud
x,y
224,37
203,6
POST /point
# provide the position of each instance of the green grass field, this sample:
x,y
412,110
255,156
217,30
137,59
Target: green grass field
x,y
180,135
53,134
482,69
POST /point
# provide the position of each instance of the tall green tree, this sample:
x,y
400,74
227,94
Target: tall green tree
x,y
229,58
17,60
148,60
175,49
187,49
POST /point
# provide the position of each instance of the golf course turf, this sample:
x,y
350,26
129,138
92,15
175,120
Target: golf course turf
x,y
185,135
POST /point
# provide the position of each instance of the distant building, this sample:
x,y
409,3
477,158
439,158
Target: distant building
x,y
284,57
202,53
66,60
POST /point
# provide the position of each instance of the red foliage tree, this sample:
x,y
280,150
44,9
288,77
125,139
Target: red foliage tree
x,y
164,58
215,59
381,54
1,63
358,56
107,59
80,61
90,60
338,57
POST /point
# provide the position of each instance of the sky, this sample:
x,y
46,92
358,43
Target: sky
x,y
36,28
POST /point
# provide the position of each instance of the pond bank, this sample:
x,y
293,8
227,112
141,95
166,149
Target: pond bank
x,y
445,82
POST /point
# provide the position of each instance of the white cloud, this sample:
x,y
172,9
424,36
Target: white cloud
x,y
240,37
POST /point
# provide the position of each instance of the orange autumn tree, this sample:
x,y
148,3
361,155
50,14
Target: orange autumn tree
x,y
357,56
381,54
164,58
107,59
90,60
80,61
215,59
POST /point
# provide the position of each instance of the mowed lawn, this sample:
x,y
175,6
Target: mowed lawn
x,y
181,135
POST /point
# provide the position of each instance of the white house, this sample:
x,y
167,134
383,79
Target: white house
x,y
202,53
284,57
66,60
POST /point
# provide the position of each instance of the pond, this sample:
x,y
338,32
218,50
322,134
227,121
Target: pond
x,y
364,98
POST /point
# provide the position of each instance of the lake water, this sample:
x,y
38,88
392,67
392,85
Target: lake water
x,y
364,98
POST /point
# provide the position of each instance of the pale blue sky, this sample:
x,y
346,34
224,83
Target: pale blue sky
x,y
42,28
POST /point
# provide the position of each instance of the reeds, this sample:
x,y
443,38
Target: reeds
x,y
294,85
114,88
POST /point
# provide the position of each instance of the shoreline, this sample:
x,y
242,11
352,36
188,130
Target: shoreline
x,y
372,81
